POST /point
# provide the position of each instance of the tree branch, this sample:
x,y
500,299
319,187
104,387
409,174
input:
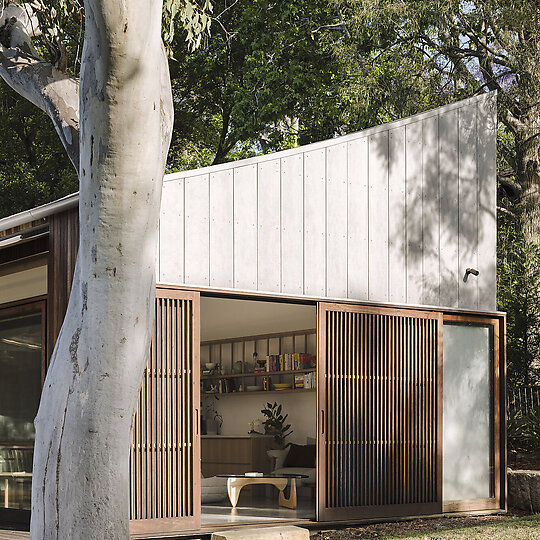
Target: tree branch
x,y
54,92
507,180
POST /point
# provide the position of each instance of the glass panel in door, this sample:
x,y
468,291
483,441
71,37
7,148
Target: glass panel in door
x,y
468,457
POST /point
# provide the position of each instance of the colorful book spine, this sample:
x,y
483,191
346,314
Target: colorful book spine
x,y
290,362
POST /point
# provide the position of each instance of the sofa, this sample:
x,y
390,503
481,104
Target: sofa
x,y
297,459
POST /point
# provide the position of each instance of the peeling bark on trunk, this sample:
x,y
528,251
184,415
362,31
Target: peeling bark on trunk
x,y
81,460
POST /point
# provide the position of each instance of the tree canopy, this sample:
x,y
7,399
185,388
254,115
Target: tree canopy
x,y
34,167
405,57
263,81
272,75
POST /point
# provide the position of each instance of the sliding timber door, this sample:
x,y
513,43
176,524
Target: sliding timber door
x,y
165,452
380,407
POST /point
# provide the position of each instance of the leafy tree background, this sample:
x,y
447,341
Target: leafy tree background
x,y
34,167
264,81
406,57
273,75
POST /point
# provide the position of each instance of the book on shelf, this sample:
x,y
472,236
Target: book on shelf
x,y
310,380
226,386
290,361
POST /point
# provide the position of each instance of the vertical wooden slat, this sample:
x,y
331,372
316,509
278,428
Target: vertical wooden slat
x,y
164,461
361,477
438,398
183,507
380,401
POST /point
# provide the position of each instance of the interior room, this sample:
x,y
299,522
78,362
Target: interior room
x,y
258,363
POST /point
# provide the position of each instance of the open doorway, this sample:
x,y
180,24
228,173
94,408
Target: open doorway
x,y
258,363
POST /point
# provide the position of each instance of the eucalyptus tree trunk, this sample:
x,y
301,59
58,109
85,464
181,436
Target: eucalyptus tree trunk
x,y
528,174
124,112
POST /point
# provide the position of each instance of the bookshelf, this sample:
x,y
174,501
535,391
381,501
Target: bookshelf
x,y
242,364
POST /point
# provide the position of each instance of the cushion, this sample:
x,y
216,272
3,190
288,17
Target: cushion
x,y
213,489
214,481
301,456
207,498
279,456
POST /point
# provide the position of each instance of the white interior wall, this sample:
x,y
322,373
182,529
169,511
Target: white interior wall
x,y
24,284
223,318
238,410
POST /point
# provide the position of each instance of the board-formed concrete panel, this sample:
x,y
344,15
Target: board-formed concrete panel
x,y
395,213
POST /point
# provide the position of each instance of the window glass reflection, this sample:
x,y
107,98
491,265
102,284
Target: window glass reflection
x,y
20,388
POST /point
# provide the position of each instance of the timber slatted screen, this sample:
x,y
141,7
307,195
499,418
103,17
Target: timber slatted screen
x,y
379,412
165,458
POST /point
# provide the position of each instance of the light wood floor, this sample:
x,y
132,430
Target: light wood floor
x,y
252,510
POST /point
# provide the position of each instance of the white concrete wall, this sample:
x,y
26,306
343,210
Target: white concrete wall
x,y
395,213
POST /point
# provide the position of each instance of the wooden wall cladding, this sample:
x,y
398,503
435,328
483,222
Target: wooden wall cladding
x,y
379,404
23,227
165,452
27,252
63,248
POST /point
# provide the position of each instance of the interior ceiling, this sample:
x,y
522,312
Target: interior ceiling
x,y
223,318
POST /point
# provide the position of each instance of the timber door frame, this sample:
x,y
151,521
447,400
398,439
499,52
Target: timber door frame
x,y
432,365
498,392
19,308
172,491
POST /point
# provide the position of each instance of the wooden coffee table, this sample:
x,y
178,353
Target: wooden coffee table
x,y
235,482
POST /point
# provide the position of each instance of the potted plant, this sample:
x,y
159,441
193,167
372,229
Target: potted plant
x,y
211,420
274,424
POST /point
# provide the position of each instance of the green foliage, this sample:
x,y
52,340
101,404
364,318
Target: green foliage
x,y
195,19
62,27
34,168
263,81
406,57
523,431
518,293
275,424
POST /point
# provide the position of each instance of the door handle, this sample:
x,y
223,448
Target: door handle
x,y
197,421
322,422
